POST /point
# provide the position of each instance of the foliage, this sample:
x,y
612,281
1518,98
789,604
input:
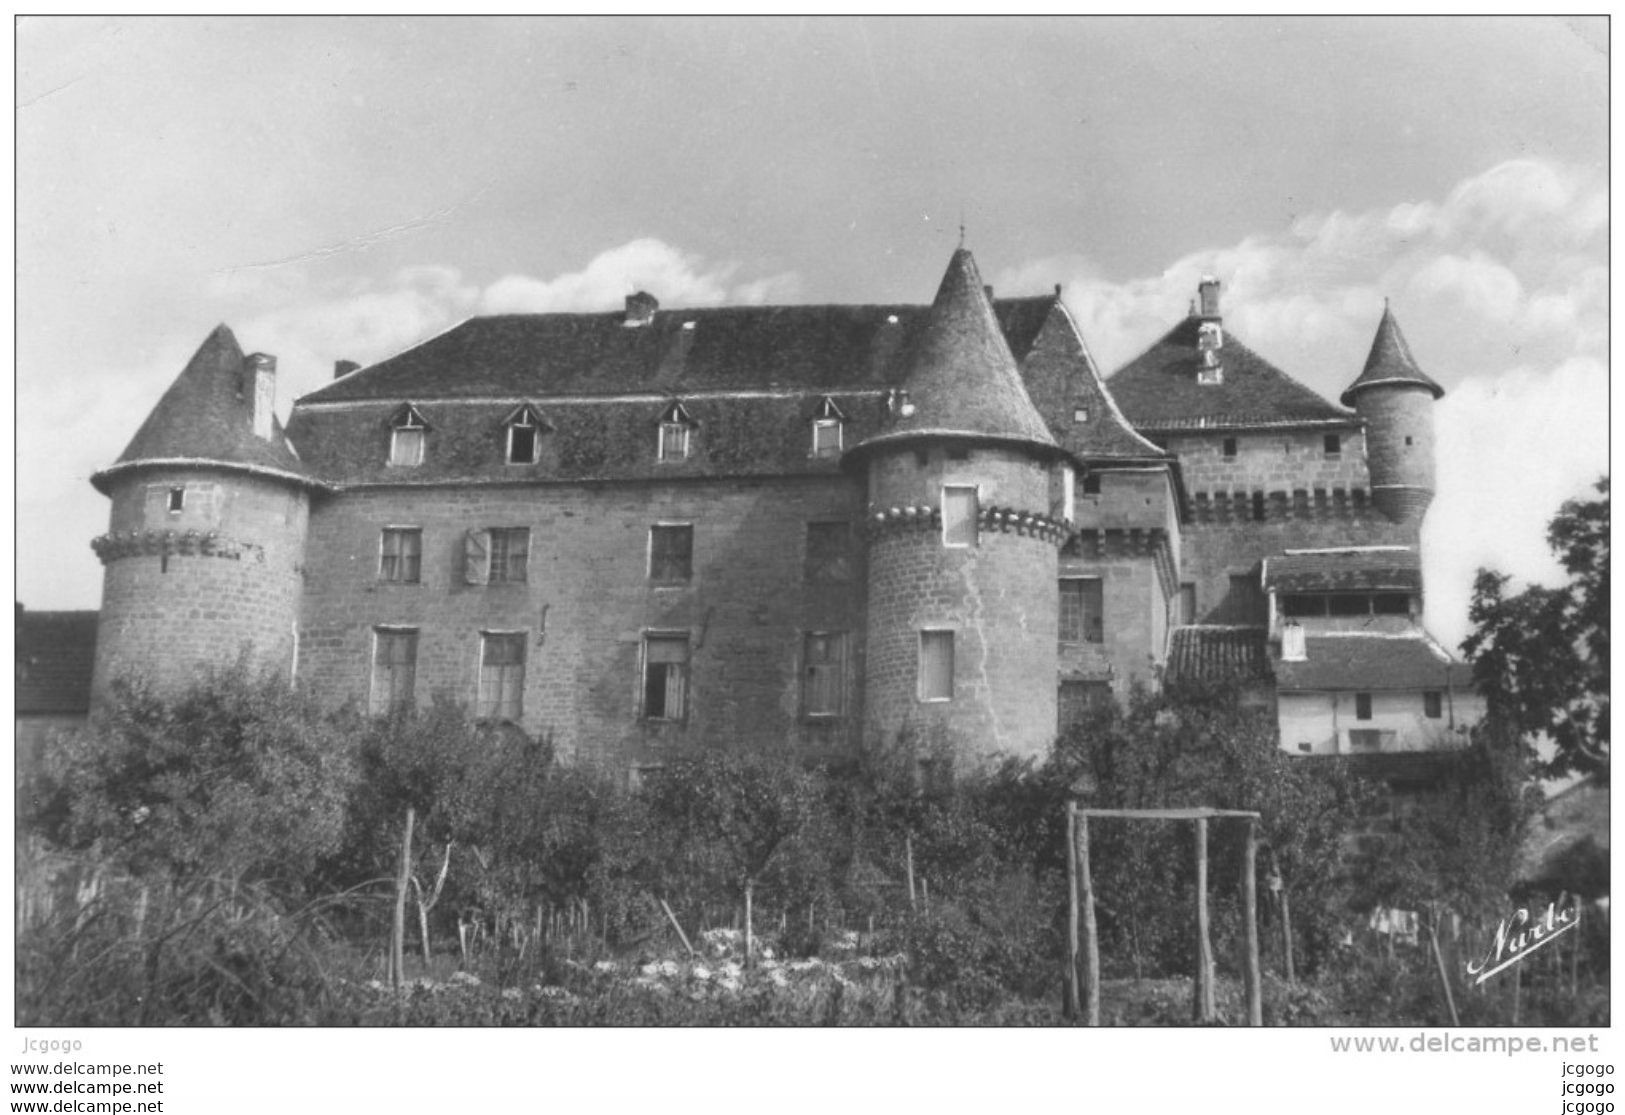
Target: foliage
x,y
1540,656
238,778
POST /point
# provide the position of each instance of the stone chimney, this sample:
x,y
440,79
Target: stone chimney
x,y
342,368
1207,292
640,308
261,374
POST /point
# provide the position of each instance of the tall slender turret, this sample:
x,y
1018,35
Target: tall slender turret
x,y
961,648
207,530
1396,400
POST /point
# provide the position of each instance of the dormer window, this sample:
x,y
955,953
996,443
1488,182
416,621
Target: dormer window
x,y
406,438
524,427
826,431
675,426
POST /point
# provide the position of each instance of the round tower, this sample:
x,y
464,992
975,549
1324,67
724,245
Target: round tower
x,y
961,659
1395,398
207,529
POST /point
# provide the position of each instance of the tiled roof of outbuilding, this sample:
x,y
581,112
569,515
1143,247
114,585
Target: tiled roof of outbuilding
x,y
962,377
1158,389
1370,662
1389,363
56,653
1218,654
208,415
1373,570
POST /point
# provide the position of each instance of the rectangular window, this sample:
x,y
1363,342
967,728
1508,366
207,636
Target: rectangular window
x,y
665,676
502,676
1299,604
1333,445
824,673
1433,704
958,515
510,555
400,555
1348,604
1259,512
406,446
522,442
829,553
826,437
1091,484
394,668
673,441
936,665
671,553
177,500
1391,604
1229,447
1082,610
1362,706
1370,739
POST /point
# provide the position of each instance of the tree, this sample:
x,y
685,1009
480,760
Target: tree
x,y
237,778
1540,656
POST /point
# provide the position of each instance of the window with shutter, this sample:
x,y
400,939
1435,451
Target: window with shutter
x,y
936,681
665,676
394,668
823,680
958,515
510,555
477,557
502,676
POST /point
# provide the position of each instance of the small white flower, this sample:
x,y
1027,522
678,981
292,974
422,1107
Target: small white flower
x,y
468,978
700,972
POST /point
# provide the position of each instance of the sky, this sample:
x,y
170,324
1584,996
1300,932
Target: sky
x,y
343,188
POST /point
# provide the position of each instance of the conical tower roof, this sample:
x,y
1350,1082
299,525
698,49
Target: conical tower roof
x,y
1390,363
207,418
961,377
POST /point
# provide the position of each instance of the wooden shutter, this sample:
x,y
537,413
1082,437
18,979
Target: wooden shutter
x,y
477,557
936,665
958,516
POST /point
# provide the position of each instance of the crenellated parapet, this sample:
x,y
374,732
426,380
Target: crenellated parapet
x,y
1002,520
1299,505
156,543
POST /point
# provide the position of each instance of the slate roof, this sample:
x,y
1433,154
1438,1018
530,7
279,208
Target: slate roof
x,y
1375,570
56,653
1389,363
752,378
1218,654
961,374
1063,379
208,415
736,348
1372,662
1158,390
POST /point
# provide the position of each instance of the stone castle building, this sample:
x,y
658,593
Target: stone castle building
x,y
822,527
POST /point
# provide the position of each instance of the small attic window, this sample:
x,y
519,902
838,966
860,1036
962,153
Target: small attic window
x,y
524,427
1080,414
826,429
177,500
406,438
675,425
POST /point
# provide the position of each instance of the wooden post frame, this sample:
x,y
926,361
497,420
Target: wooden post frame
x,y
1081,895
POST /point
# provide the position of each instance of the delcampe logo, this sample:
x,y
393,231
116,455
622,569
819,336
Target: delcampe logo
x,y
1519,935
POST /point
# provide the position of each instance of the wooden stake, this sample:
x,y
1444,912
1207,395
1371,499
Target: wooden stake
x,y
1069,987
1091,938
1444,978
680,934
1249,903
908,863
1286,933
397,939
1202,1007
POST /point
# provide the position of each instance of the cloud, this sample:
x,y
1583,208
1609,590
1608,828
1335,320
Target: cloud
x,y
1501,287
